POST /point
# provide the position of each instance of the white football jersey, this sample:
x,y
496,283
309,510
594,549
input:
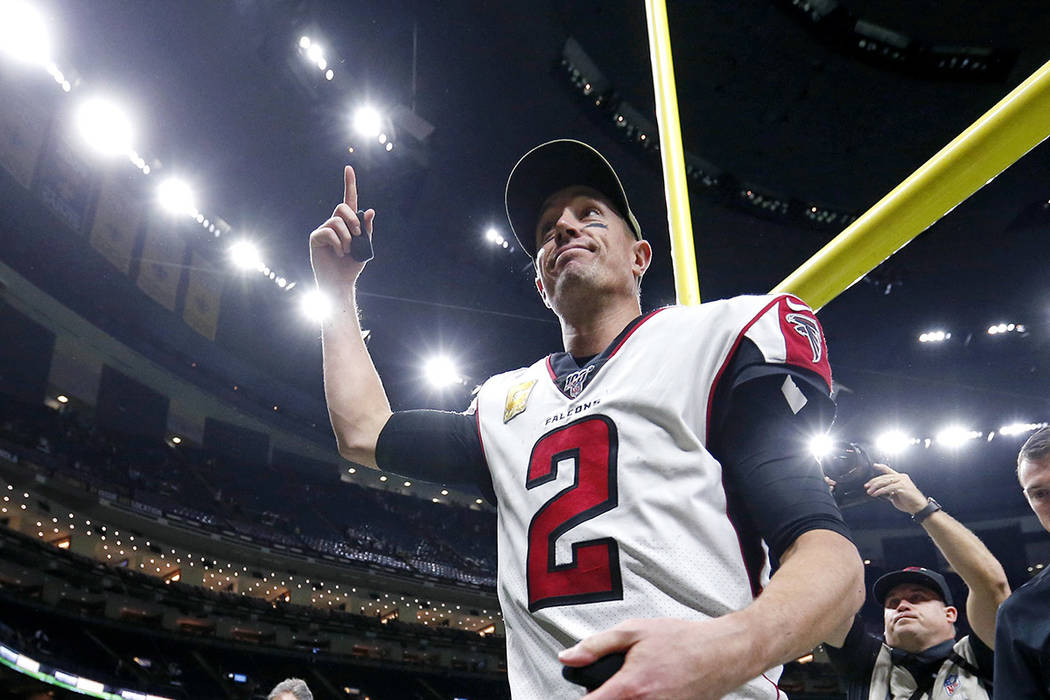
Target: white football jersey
x,y
610,507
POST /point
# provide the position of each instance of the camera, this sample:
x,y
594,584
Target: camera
x,y
850,467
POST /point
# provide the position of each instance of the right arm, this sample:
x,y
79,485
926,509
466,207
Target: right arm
x,y
968,556
357,404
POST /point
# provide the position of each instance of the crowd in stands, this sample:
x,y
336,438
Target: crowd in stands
x,y
169,638
270,504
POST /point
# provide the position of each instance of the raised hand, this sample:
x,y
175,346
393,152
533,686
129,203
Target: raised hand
x,y
330,243
897,488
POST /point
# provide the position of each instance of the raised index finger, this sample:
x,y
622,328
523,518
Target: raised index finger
x,y
350,187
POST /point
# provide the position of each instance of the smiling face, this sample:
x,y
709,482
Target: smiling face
x,y
915,618
584,245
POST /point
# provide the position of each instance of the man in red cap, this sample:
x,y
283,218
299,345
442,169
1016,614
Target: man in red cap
x,y
645,476
919,657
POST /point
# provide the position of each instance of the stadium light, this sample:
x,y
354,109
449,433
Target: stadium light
x,y
935,336
955,436
315,306
821,445
368,122
1001,328
893,442
23,33
104,126
176,197
1020,428
440,371
245,256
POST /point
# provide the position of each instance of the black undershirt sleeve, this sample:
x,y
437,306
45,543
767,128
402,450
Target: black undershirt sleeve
x,y
855,659
774,485
437,446
984,656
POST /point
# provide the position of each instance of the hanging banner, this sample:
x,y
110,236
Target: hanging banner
x,y
66,179
117,221
23,123
203,297
160,267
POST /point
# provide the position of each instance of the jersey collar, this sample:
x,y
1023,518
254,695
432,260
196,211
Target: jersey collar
x,y
571,379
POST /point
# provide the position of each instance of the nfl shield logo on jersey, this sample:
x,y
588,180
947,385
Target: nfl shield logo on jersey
x,y
575,381
951,684
517,399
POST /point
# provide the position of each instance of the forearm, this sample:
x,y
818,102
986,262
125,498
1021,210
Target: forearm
x,y
976,565
814,595
968,556
357,404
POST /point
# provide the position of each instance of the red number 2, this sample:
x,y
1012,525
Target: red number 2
x,y
593,574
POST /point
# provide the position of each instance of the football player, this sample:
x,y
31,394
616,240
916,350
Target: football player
x,y
646,476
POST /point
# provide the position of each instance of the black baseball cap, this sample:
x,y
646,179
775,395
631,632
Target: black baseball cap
x,y
551,167
918,575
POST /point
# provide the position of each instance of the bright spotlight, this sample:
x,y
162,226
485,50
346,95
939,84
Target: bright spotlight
x,y
935,337
244,255
315,53
821,445
440,371
329,74
955,436
304,42
491,235
23,33
368,122
1020,428
176,197
893,442
104,126
315,306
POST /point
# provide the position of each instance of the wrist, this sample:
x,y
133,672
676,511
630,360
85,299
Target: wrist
x,y
926,511
751,638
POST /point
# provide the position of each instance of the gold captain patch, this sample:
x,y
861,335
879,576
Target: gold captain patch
x,y
517,399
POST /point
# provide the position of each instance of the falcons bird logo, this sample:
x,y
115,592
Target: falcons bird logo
x,y
808,329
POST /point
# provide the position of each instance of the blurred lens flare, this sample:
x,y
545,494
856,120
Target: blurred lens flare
x,y
176,197
104,126
24,35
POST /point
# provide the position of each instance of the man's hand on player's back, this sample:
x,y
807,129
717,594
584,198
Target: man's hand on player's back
x,y
330,257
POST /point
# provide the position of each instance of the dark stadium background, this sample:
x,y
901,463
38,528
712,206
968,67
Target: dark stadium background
x,y
796,117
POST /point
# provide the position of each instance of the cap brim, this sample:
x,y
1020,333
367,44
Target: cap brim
x,y
888,582
551,167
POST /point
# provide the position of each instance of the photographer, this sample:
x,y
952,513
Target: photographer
x,y
919,656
